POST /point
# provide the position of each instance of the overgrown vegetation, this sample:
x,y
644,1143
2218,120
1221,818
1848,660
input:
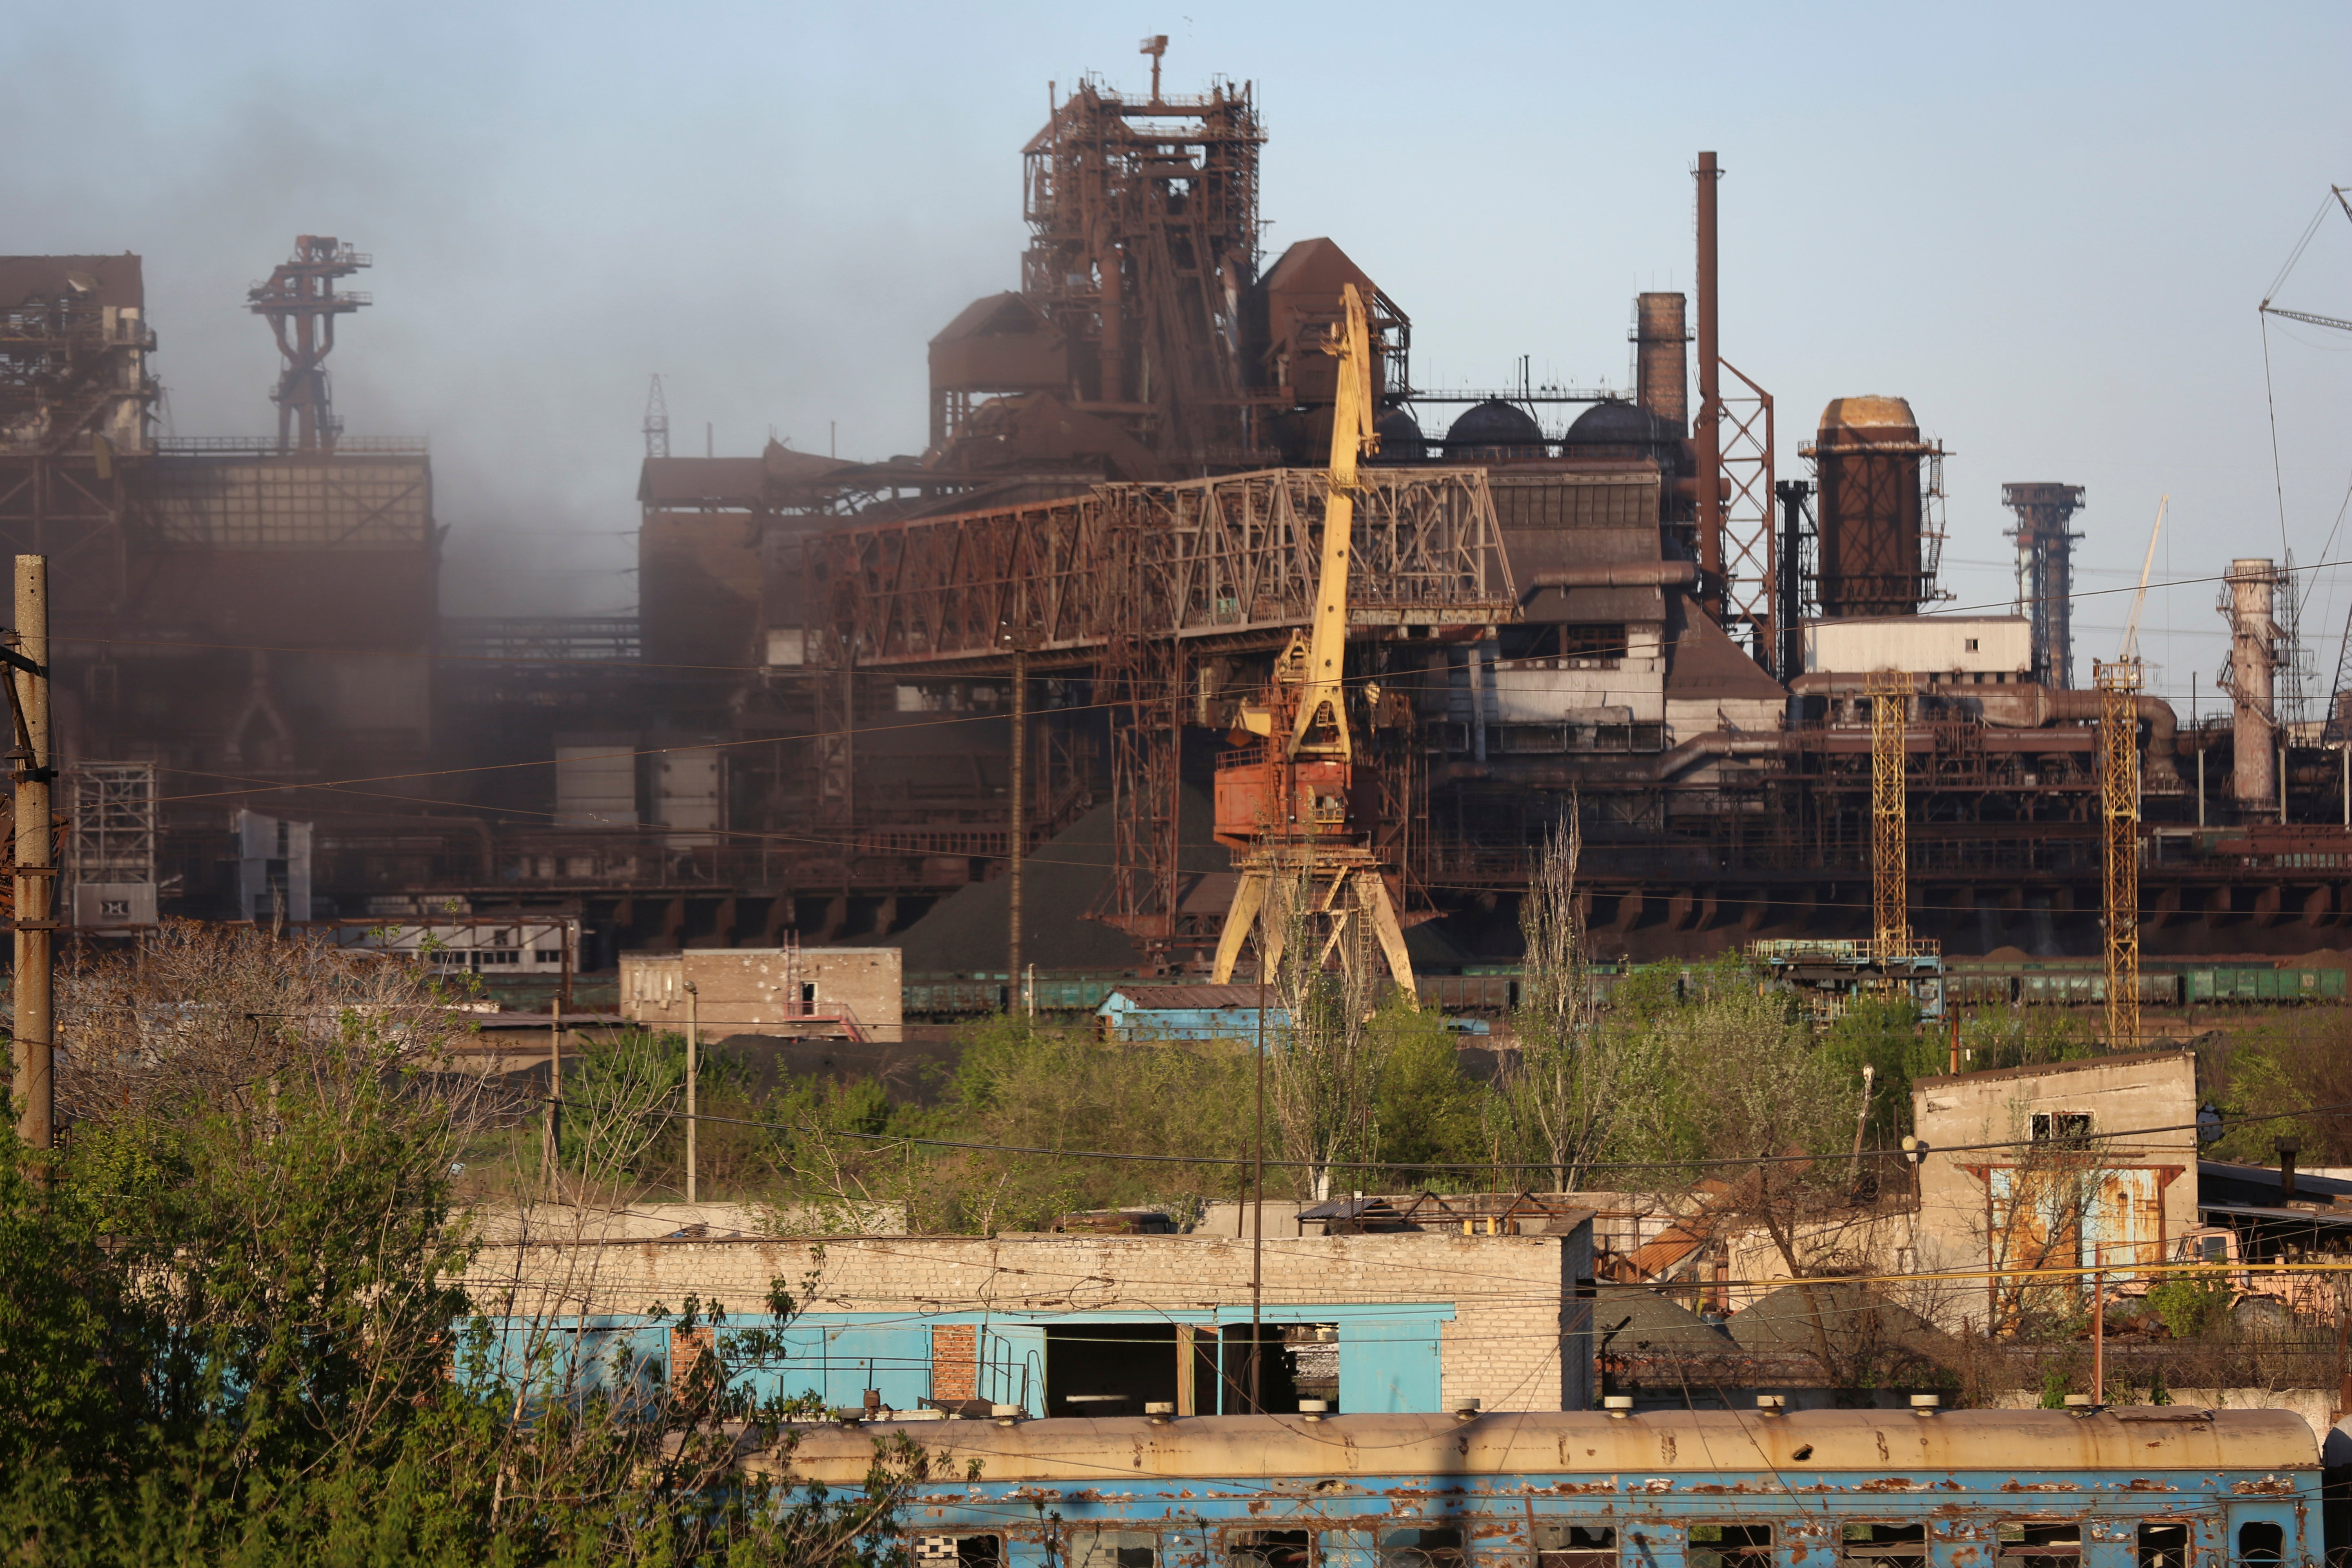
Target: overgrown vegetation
x,y
231,1307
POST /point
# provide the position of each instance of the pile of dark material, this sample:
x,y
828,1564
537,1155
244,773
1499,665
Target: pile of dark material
x,y
966,932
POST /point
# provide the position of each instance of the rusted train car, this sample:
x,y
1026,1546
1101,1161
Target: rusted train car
x,y
2163,1487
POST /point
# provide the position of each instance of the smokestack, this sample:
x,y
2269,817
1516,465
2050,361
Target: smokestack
x,y
1661,358
2254,779
1706,437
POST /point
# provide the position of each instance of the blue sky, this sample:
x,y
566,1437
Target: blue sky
x,y
2047,227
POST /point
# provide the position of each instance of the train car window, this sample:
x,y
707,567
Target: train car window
x,y
1559,1544
2041,1545
2163,1546
973,1550
1113,1549
1270,1549
1419,1547
1731,1546
1885,1546
2261,1545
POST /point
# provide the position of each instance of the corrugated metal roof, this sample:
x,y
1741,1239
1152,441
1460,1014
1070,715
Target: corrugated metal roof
x,y
1171,998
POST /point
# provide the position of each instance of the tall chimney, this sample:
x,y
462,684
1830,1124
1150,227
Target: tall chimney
x,y
2288,1147
1706,435
1661,358
2254,779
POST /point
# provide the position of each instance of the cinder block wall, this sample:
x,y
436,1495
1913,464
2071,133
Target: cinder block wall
x,y
1511,1296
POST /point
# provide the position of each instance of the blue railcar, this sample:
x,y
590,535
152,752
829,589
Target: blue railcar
x,y
2157,1487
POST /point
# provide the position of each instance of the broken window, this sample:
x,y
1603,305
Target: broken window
x,y
1113,1549
1559,1544
1731,1546
1270,1549
1419,1547
2041,1545
1885,1546
2163,1546
966,1551
2062,1126
2261,1545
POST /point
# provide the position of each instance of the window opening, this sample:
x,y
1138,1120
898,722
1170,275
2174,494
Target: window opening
x,y
2062,1126
1420,1547
2261,1544
1892,1545
1731,1546
1270,1549
2041,1545
978,1550
1559,1544
2163,1546
1113,1549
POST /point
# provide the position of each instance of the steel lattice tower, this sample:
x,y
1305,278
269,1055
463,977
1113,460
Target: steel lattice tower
x,y
2045,574
1890,712
2119,684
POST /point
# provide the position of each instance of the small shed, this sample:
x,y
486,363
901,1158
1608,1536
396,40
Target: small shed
x,y
1186,1013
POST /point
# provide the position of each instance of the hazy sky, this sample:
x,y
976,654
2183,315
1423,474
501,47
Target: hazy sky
x,y
2047,225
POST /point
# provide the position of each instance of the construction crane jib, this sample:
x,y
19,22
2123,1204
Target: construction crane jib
x,y
1288,804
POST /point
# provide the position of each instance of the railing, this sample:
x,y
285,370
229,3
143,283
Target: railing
x,y
266,446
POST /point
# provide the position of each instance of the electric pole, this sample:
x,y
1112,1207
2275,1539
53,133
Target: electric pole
x,y
35,869
693,1040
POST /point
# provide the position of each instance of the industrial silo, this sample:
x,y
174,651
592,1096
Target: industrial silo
x,y
1873,555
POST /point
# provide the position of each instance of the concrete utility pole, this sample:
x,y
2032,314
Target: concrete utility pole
x,y
35,869
1018,836
693,1039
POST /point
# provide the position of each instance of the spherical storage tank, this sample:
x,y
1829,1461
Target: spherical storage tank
x,y
1401,437
1494,429
1867,459
1618,429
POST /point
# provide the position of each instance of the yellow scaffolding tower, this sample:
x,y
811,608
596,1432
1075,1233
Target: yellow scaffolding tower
x,y
1890,845
2119,684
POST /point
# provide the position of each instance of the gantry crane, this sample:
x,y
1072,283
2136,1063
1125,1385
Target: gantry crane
x,y
1296,806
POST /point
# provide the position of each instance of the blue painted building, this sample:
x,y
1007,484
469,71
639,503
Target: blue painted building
x,y
1134,1012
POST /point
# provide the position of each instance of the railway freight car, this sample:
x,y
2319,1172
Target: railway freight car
x,y
2156,1486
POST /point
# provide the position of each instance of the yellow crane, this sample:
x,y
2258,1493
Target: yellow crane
x,y
1294,806
2119,685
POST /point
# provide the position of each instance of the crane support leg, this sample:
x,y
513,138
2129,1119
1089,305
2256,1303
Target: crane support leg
x,y
1249,902
1372,891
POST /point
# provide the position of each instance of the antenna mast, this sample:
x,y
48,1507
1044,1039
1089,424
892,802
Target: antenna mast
x,y
656,422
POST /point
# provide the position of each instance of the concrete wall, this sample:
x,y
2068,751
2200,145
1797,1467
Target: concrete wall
x,y
2141,1191
1990,644
767,990
1499,1304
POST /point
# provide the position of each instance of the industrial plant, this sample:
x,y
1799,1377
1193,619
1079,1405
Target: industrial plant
x,y
1192,583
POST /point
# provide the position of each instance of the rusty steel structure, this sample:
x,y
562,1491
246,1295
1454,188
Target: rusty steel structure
x,y
2119,788
1563,599
1890,717
300,302
1138,584
2045,573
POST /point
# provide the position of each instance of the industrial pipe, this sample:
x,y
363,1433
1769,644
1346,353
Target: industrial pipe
x,y
1620,575
1656,768
2027,705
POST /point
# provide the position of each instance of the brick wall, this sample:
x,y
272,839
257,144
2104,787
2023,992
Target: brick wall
x,y
1511,1296
955,1360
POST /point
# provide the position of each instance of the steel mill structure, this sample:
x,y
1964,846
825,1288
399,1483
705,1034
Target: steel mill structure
x,y
1607,600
